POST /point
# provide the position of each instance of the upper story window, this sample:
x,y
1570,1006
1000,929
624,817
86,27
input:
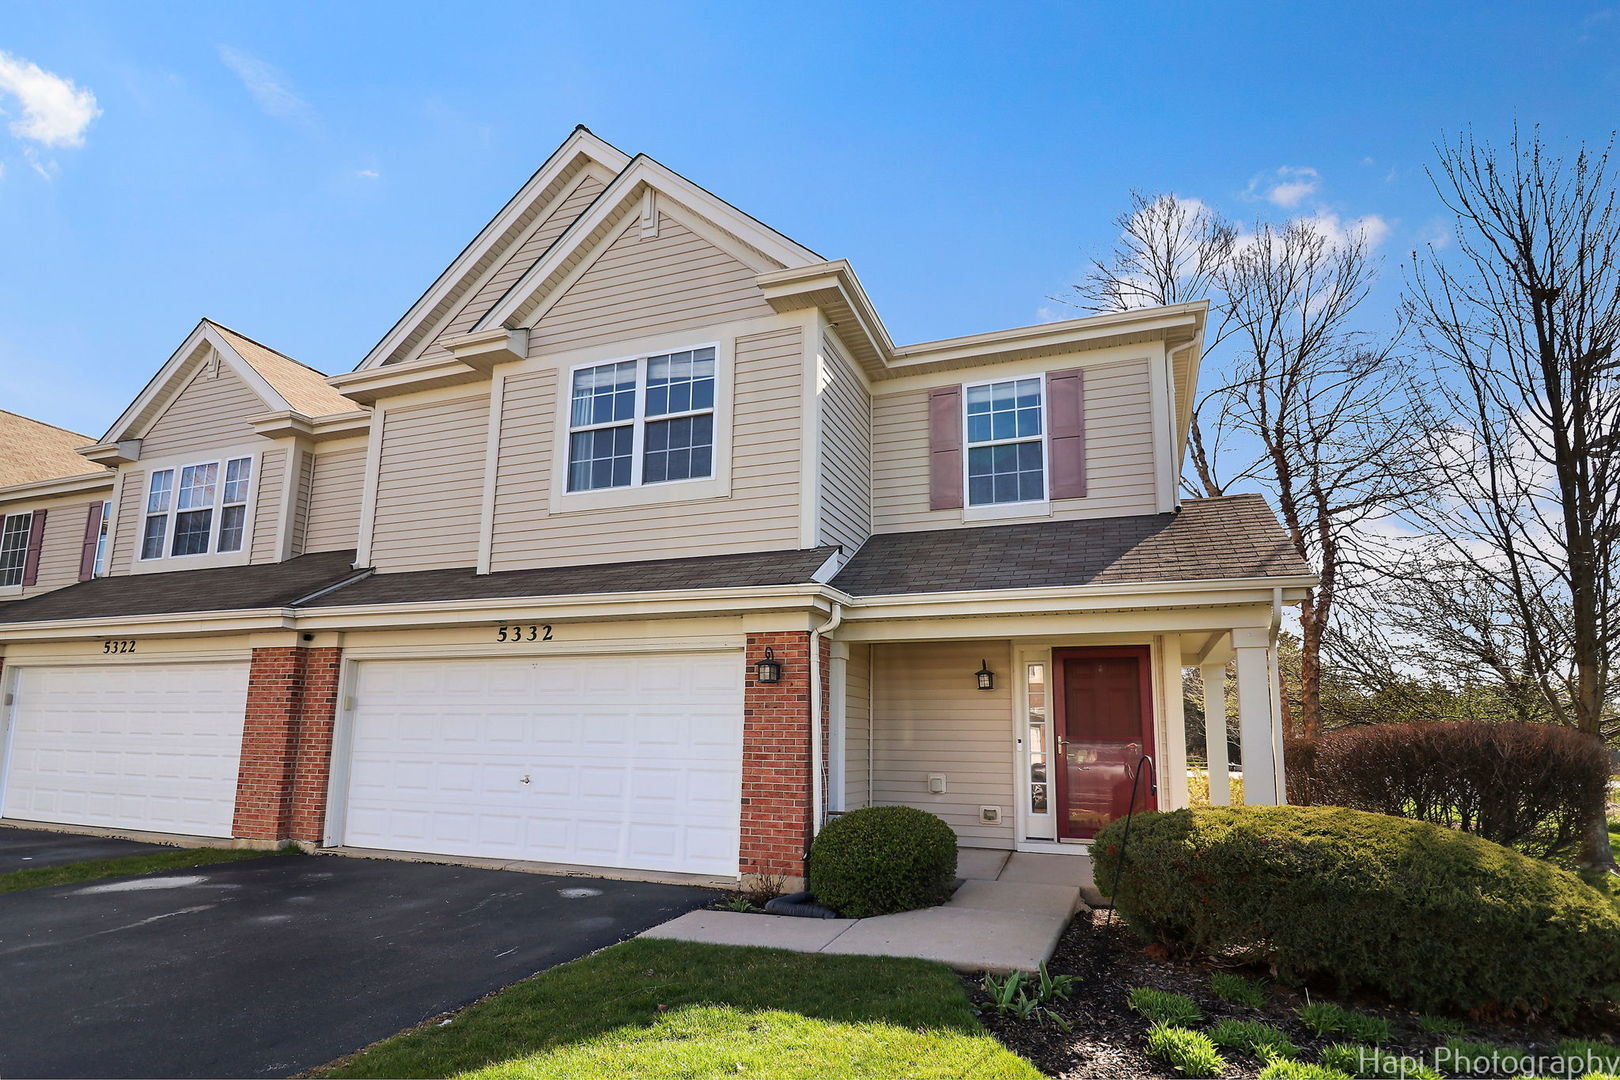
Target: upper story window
x,y
643,421
103,538
196,509
14,531
1006,445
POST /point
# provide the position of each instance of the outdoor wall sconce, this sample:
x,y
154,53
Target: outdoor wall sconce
x,y
986,677
768,670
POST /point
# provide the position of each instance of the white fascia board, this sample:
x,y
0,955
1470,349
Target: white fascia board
x,y
643,170
581,143
61,485
1048,335
162,387
183,624
1080,597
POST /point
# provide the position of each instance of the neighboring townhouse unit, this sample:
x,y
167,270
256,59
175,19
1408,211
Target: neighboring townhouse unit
x,y
636,543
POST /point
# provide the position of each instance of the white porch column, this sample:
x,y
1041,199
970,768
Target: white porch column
x,y
1172,757
837,717
1258,718
1220,769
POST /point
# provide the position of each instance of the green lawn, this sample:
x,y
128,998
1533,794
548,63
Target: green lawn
x,y
41,877
649,1008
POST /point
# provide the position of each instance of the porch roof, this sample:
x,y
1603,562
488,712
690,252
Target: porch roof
x,y
1227,538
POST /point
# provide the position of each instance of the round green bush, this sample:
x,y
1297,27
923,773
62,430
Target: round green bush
x,y
881,860
1432,916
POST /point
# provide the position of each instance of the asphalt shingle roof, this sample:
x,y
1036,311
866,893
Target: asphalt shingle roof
x,y
705,572
222,588
304,388
31,450
1235,536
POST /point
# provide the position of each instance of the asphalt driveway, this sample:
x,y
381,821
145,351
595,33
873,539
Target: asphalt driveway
x,y
275,965
23,848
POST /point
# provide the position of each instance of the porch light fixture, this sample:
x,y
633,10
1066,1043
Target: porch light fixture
x,y
986,677
768,670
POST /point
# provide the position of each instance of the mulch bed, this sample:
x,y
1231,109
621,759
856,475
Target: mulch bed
x,y
1106,1039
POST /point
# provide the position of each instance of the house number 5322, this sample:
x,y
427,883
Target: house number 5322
x,y
123,645
526,632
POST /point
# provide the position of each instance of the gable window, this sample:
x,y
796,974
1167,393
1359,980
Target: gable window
x,y
643,421
1006,447
14,532
196,509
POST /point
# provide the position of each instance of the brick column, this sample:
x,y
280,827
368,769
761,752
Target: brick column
x,y
776,756
286,744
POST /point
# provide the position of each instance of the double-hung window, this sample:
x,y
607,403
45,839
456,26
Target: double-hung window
x,y
14,530
1006,444
643,421
197,509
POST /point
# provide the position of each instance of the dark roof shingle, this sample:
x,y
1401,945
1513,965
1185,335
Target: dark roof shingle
x,y
1235,536
704,572
221,588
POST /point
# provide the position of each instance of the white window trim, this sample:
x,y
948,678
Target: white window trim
x,y
637,493
211,557
1041,507
17,589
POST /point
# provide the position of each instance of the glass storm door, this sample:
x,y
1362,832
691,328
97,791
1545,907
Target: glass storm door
x,y
1104,721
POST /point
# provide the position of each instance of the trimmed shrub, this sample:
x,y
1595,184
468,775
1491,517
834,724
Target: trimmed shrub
x,y
1188,1052
1164,1007
1532,787
1428,915
883,859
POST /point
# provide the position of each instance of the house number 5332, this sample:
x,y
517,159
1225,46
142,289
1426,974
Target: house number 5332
x,y
525,632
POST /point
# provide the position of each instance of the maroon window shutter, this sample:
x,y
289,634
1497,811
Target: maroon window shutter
x,y
945,448
92,534
1066,427
36,540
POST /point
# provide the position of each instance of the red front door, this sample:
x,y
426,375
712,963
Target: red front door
x,y
1104,720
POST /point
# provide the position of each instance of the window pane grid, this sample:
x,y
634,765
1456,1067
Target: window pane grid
x,y
192,510
635,422
605,394
14,548
1005,458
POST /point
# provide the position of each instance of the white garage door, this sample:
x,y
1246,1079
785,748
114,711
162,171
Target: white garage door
x,y
632,761
143,746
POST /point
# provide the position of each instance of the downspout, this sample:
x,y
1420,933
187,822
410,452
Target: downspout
x,y
817,794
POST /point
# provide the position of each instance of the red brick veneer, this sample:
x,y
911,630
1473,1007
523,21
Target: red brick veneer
x,y
287,744
776,756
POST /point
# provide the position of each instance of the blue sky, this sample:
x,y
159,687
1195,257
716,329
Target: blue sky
x,y
303,172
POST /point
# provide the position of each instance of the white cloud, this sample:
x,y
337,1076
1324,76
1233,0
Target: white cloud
x,y
368,174
1371,229
55,111
267,84
1289,186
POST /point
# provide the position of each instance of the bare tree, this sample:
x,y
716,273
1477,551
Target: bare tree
x,y
1524,322
1301,405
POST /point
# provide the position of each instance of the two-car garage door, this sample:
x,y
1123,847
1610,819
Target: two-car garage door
x,y
626,761
150,747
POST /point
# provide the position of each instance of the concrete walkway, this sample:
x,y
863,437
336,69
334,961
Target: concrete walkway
x,y
1007,916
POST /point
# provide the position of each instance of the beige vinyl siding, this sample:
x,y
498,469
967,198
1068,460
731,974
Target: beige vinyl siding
x,y
762,513
336,486
267,504
857,723
63,542
928,718
430,485
211,412
300,505
1119,452
127,518
647,285
845,514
